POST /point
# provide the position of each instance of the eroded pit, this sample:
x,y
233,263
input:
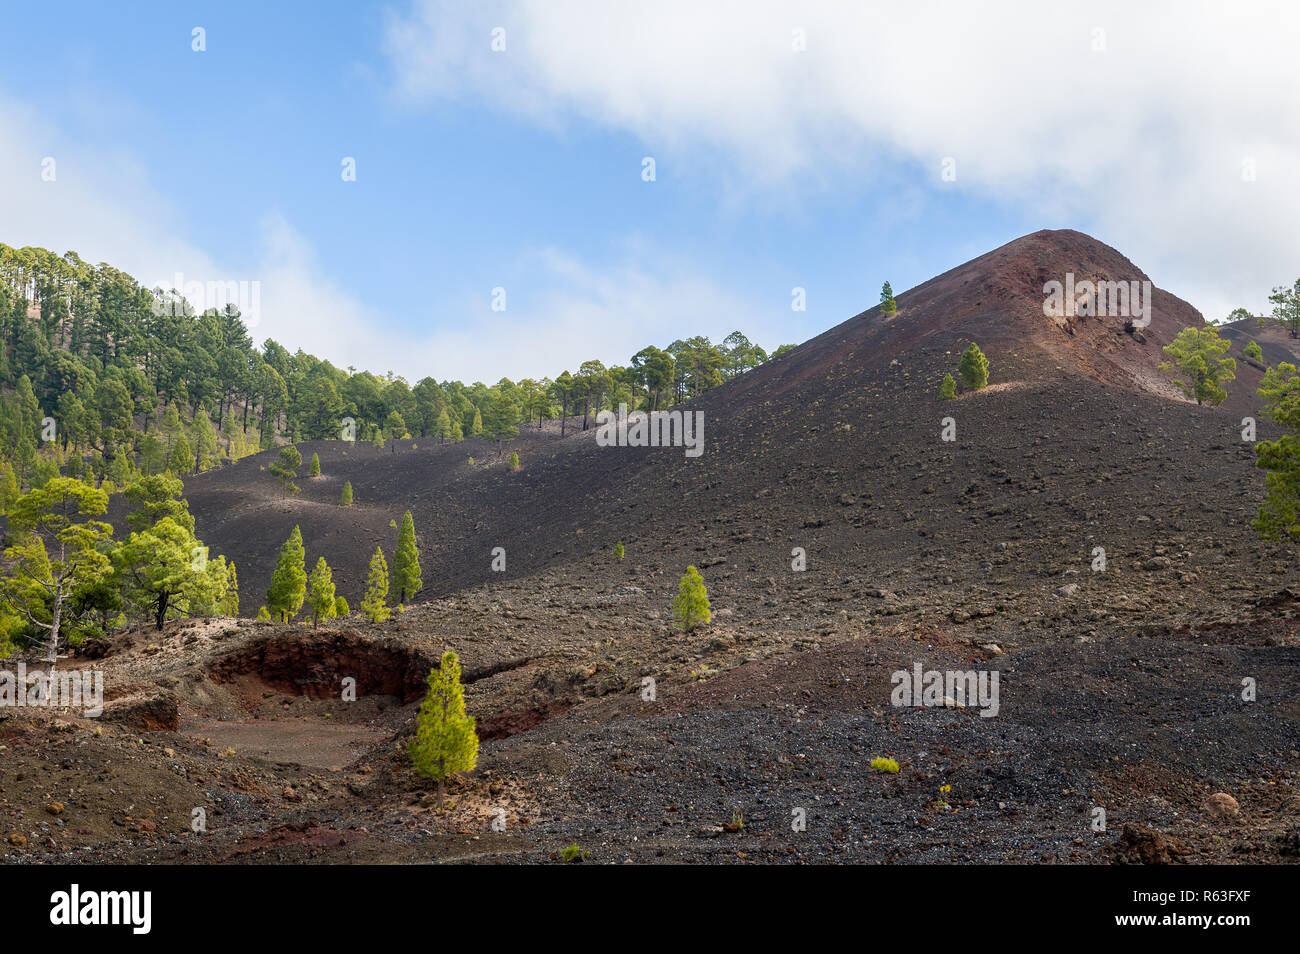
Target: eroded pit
x,y
315,666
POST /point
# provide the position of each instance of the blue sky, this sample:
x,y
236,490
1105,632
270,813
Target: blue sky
x,y
775,167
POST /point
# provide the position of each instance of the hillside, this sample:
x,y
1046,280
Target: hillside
x,y
1120,689
834,447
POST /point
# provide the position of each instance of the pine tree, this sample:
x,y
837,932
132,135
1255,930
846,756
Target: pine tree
x,y
181,460
442,430
618,550
9,492
1198,354
691,605
26,426
948,387
205,441
1254,351
322,598
476,428
406,561
230,606
289,581
888,306
346,499
395,425
263,615
514,460
375,602
171,427
57,553
974,367
341,607
1279,514
286,467
314,470
445,738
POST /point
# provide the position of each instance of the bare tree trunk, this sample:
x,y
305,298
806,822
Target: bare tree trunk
x,y
52,641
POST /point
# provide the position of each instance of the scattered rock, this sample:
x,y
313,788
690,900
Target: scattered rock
x,y
1222,806
1139,844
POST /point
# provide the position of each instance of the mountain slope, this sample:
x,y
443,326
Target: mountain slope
x,y
835,448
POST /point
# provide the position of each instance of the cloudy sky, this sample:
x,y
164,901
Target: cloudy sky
x,y
794,144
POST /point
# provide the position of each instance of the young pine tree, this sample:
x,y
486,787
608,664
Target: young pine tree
x,y
445,738
375,602
406,562
618,550
691,605
888,306
346,499
289,581
514,460
948,387
341,607
322,598
314,470
286,467
1254,351
974,367
230,605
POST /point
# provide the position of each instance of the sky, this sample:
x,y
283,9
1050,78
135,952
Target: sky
x,y
500,153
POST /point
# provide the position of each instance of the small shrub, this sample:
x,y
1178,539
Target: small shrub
x,y
618,550
1254,351
884,765
573,853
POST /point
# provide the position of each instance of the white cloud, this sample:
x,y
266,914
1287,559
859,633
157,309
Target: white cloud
x,y
98,204
560,311
1144,139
